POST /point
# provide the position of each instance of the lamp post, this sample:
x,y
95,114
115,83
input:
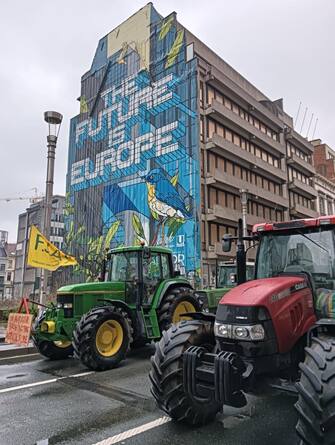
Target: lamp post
x,y
54,120
244,204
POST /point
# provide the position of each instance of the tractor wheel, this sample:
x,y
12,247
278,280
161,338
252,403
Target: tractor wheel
x,y
316,403
178,301
166,373
103,337
54,350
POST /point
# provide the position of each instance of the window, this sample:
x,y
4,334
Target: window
x,y
9,277
124,266
2,279
166,273
2,267
322,205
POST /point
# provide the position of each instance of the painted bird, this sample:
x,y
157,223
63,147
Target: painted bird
x,y
163,198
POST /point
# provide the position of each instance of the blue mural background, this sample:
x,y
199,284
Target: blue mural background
x,y
133,165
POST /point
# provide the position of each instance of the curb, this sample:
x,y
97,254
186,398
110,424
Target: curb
x,y
7,351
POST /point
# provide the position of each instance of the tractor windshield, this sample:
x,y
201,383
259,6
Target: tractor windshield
x,y
124,266
296,252
227,275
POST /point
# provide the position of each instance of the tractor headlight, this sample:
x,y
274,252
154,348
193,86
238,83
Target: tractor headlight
x,y
239,332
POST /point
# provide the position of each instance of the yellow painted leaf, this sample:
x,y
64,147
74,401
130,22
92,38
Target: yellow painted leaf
x,y
83,105
175,48
137,225
165,27
174,179
111,233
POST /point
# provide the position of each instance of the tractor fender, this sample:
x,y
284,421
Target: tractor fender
x,y
202,316
135,320
168,285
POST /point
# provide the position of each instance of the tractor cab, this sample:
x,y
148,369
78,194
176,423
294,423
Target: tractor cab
x,y
302,248
226,274
142,270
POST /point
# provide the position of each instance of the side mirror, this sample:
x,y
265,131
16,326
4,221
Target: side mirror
x,y
176,273
146,253
226,243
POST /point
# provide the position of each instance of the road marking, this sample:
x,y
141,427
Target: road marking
x,y
44,382
134,431
19,356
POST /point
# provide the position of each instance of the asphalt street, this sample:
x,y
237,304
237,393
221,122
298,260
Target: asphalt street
x,y
59,402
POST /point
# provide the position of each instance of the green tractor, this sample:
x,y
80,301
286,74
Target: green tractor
x,y
225,279
99,322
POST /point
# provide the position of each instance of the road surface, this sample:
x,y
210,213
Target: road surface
x,y
61,402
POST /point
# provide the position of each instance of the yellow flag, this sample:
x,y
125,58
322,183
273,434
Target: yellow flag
x,y
42,253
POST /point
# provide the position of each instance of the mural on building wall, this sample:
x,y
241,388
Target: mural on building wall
x,y
133,169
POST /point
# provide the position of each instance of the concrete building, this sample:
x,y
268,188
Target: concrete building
x,y
167,137
10,269
326,195
26,278
3,264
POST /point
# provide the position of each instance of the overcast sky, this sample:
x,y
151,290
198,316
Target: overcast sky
x,y
284,47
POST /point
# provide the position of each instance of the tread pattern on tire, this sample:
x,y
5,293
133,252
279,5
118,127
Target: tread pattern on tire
x,y
85,329
165,311
166,373
316,388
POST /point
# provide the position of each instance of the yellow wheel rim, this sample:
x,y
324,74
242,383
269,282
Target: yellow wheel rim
x,y
109,338
62,343
182,308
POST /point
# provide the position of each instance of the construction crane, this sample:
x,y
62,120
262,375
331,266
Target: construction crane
x,y
32,199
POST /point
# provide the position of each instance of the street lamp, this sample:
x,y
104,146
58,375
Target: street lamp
x,y
54,120
244,204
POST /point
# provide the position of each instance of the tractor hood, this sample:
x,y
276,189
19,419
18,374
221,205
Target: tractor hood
x,y
264,292
96,286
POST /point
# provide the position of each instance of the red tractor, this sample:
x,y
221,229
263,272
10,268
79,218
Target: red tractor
x,y
280,325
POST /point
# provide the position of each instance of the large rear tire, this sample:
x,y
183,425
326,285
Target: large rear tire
x,y
178,301
53,350
103,337
166,373
316,388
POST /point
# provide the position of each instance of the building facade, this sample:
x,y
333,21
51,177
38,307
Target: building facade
x,y
167,137
324,159
26,278
326,195
10,270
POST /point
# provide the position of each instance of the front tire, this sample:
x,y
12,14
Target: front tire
x,y
166,373
178,301
316,403
102,337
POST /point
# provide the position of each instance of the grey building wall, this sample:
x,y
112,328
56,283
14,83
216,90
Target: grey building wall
x,y
26,278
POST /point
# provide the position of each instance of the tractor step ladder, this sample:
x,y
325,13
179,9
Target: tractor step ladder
x,y
151,323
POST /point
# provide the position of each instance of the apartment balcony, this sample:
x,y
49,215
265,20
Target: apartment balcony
x,y
299,140
219,178
301,164
230,215
219,145
219,80
304,189
220,113
300,211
